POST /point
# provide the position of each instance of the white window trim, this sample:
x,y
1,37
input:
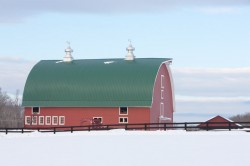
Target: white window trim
x,y
161,109
60,120
53,123
49,120
123,119
40,120
98,117
162,94
120,111
35,113
162,80
32,120
26,120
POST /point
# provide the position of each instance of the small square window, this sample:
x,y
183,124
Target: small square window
x,y
123,110
97,120
35,110
123,120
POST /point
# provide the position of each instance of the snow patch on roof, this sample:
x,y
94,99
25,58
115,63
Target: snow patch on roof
x,y
59,61
108,62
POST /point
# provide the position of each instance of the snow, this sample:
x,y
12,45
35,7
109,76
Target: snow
x,y
109,62
126,148
59,61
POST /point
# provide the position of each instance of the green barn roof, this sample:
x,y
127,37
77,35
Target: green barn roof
x,y
92,83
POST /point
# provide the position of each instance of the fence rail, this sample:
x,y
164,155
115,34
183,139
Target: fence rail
x,y
188,126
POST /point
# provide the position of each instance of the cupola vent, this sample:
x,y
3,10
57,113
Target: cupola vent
x,y
68,57
130,55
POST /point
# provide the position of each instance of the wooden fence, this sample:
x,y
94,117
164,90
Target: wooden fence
x,y
188,126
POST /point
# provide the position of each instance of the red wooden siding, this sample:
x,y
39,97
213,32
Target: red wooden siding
x,y
167,97
83,115
218,119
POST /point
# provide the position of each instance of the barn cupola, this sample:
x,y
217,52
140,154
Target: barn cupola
x,y
68,57
130,55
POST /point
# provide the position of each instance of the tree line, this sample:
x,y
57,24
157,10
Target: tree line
x,y
11,112
241,118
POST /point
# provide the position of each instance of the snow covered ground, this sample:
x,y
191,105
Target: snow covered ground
x,y
126,148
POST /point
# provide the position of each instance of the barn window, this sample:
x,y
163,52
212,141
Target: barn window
x,y
34,120
48,120
54,120
41,120
123,111
97,120
123,119
162,109
162,81
61,120
27,120
35,110
162,94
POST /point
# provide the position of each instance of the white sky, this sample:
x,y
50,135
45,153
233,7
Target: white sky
x,y
208,41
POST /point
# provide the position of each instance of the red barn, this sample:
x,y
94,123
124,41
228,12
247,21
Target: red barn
x,y
222,123
78,92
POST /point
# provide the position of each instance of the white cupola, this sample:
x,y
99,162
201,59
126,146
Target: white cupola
x,y
130,55
68,57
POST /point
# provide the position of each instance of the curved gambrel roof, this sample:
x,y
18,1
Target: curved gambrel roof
x,y
92,83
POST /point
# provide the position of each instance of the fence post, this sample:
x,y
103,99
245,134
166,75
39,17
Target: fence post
x,y
165,126
229,126
22,130
145,127
54,130
71,129
207,126
89,128
186,126
6,131
126,126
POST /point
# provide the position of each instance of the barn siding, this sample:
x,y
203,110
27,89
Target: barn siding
x,y
218,119
77,116
167,96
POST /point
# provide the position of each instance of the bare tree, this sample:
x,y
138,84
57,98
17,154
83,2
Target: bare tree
x,y
17,98
3,99
11,113
241,118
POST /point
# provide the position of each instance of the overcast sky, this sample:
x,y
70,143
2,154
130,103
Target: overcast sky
x,y
209,41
